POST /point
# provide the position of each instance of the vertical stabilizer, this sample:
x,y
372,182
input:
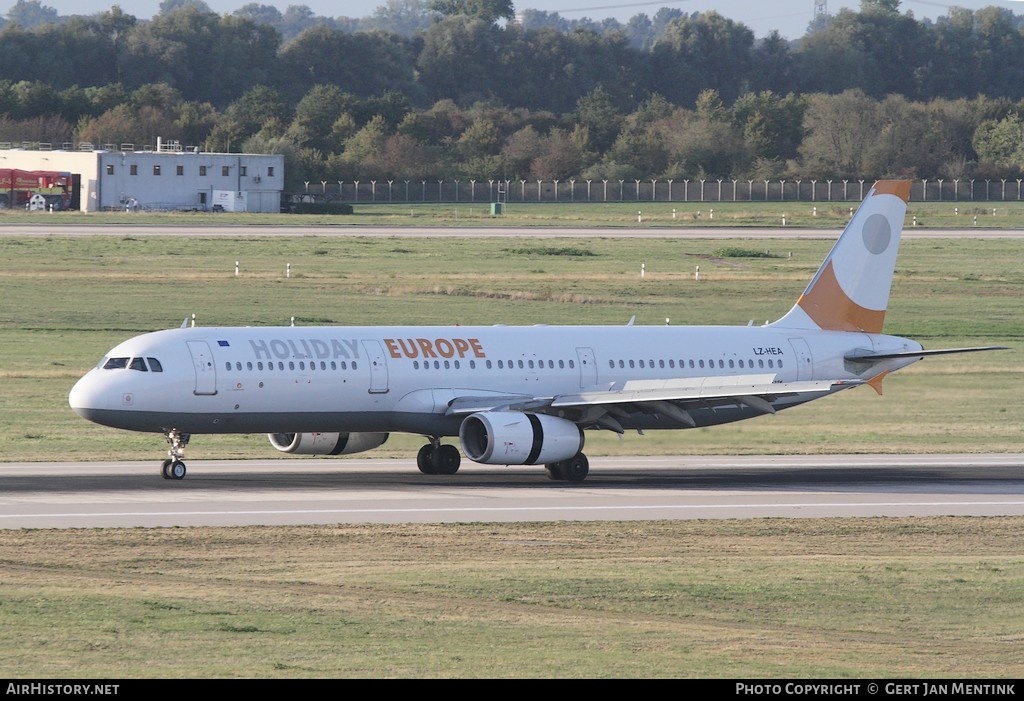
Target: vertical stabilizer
x,y
850,291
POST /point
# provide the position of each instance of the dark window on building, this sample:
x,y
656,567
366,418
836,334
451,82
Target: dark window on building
x,y
202,170
156,170
110,169
134,170
270,171
180,170
225,171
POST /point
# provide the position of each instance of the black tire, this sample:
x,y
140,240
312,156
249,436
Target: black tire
x,y
554,470
177,470
165,469
576,469
446,460
425,459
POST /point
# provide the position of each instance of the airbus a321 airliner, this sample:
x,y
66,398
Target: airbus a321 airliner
x,y
512,395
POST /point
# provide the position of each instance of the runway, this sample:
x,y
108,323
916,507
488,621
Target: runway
x,y
313,491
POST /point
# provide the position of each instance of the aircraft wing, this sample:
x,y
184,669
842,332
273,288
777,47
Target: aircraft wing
x,y
670,397
461,406
696,389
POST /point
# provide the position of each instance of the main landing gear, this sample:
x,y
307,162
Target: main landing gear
x,y
173,468
575,469
436,458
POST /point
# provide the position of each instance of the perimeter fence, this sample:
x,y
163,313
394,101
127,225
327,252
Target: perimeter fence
x,y
718,190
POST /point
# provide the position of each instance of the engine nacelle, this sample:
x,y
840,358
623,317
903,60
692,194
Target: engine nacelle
x,y
326,443
515,438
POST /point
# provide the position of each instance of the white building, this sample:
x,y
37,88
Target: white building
x,y
167,177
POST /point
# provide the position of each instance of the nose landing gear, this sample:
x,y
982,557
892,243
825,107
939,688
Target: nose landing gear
x,y
173,468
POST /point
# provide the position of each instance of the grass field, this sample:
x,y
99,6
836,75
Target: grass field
x,y
745,599
760,598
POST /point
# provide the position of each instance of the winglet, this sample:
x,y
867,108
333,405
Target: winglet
x,y
850,291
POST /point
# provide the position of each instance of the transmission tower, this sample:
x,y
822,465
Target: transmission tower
x,y
820,11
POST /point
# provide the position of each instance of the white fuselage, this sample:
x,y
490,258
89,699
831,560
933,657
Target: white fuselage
x,y
403,379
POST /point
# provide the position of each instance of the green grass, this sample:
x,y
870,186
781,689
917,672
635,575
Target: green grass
x,y
751,598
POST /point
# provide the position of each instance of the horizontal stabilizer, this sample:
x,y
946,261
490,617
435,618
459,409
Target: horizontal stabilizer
x,y
919,354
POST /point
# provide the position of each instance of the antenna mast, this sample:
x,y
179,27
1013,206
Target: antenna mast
x,y
820,11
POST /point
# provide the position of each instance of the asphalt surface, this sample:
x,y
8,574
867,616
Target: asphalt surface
x,y
43,229
323,491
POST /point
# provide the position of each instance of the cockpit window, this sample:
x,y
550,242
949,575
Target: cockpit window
x,y
140,364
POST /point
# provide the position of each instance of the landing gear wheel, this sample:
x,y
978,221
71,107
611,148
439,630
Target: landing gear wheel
x,y
554,470
576,469
425,459
446,460
173,468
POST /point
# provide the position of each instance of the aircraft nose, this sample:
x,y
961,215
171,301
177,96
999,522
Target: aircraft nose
x,y
80,395
88,397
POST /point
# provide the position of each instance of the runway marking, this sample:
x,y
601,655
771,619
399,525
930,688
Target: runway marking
x,y
560,509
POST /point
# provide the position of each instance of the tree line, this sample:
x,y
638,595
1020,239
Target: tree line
x,y
455,89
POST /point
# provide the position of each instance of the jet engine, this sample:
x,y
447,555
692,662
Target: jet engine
x,y
326,443
515,438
